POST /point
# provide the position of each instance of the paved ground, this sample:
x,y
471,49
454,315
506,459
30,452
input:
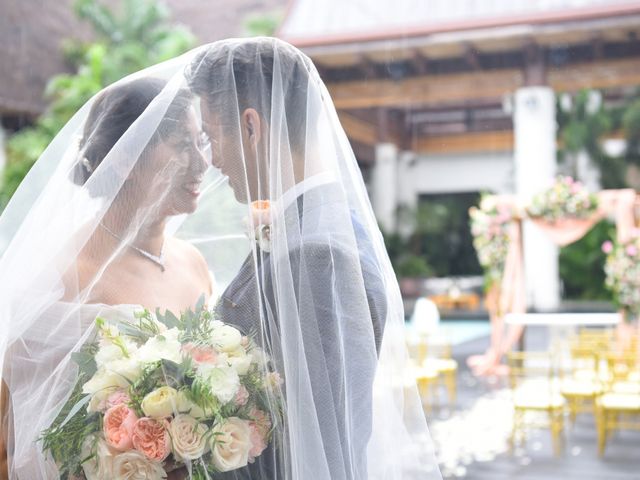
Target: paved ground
x,y
473,436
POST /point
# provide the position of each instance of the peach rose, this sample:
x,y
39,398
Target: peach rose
x,y
117,397
258,441
242,397
230,444
200,354
261,420
260,212
150,437
118,427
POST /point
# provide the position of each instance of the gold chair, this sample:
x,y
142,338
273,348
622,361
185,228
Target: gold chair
x,y
536,392
580,382
439,358
425,377
619,406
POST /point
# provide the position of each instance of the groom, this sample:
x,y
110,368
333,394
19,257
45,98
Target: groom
x,y
235,86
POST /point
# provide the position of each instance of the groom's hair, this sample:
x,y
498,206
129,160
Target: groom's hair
x,y
239,74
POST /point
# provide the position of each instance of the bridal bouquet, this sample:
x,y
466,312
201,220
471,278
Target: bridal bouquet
x,y
623,274
490,229
565,199
160,392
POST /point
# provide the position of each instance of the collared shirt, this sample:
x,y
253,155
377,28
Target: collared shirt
x,y
302,187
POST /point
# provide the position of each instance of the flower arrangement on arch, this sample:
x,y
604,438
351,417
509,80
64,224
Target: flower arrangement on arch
x,y
565,199
490,223
622,270
161,392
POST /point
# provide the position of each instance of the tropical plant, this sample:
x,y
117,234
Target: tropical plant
x,y
125,39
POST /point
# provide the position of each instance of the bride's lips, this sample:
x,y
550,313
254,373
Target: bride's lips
x,y
192,188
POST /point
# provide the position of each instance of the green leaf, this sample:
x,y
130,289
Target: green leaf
x,y
76,408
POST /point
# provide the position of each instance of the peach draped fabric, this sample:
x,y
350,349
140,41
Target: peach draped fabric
x,y
618,204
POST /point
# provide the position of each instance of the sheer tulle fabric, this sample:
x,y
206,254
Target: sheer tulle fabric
x,y
317,292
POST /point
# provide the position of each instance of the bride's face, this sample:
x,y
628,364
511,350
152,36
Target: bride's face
x,y
176,166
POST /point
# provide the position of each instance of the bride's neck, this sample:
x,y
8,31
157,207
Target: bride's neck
x,y
149,236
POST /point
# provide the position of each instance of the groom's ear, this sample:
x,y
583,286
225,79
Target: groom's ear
x,y
251,125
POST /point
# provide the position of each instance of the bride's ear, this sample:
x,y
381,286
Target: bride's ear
x,y
251,125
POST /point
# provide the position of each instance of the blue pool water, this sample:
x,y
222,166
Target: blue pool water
x,y
461,331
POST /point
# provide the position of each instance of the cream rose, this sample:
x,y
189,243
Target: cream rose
x,y
188,437
133,465
162,402
100,465
226,338
230,444
223,381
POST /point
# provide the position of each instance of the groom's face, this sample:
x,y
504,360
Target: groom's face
x,y
231,152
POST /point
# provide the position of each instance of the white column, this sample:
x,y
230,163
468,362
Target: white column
x,y
407,191
535,167
384,178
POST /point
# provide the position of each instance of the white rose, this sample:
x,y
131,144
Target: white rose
x,y
161,347
188,437
107,353
226,338
230,444
160,403
128,368
133,465
104,380
223,381
239,360
100,465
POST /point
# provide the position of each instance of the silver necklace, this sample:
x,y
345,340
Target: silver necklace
x,y
157,259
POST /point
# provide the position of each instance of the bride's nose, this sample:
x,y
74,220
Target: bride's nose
x,y
199,162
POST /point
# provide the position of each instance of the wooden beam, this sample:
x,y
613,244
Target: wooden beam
x,y
368,67
424,90
465,143
471,56
436,90
534,64
611,74
420,62
369,133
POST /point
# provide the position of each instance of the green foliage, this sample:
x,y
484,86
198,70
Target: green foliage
x,y
137,36
582,265
584,124
631,125
413,266
438,241
263,25
66,435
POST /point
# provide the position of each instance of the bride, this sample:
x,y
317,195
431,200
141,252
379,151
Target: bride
x,y
130,217
127,261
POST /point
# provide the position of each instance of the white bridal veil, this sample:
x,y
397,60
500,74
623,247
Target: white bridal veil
x,y
235,151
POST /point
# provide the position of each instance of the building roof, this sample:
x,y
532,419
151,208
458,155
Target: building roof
x,y
32,33
312,23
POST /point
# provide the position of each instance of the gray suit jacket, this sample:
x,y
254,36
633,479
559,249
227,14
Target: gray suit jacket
x,y
312,264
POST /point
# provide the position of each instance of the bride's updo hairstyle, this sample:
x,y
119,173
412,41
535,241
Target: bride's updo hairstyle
x,y
113,113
